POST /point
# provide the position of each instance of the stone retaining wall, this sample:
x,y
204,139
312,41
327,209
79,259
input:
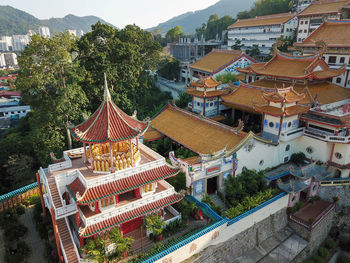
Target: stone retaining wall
x,y
342,192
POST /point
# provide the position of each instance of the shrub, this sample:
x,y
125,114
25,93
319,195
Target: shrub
x,y
20,209
16,253
298,158
329,243
314,198
13,231
311,220
345,245
343,259
298,205
335,199
317,259
323,252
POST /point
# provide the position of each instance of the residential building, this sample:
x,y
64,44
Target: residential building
x,y
319,11
6,43
20,42
44,31
72,32
262,31
302,4
219,61
335,35
112,181
10,59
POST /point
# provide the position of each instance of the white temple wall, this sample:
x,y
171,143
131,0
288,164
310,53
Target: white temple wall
x,y
341,153
314,148
232,68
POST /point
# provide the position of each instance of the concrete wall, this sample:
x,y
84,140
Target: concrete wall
x,y
253,228
342,192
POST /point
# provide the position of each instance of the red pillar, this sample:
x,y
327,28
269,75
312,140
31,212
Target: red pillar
x,y
116,199
81,241
97,208
137,193
41,194
55,230
77,219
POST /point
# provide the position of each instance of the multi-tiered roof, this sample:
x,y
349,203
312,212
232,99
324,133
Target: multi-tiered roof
x,y
206,87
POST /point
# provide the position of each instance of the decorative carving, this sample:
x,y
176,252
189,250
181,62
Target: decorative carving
x,y
167,260
215,235
193,247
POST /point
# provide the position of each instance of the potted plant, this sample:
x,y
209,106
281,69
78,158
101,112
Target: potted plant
x,y
154,224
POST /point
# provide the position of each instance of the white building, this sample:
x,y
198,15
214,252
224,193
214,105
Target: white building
x,y
44,31
319,11
20,42
302,4
72,32
6,43
336,35
262,31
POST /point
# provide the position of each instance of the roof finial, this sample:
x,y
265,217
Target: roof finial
x,y
107,95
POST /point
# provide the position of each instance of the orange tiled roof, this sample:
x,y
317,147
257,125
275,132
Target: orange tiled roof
x,y
287,94
152,134
206,94
108,124
335,33
206,82
276,19
295,67
217,59
197,133
324,7
119,186
275,111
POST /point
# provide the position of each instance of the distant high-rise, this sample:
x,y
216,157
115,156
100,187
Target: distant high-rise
x,y
72,32
44,31
5,43
20,42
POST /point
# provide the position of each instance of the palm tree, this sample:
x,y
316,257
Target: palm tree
x,y
154,223
95,250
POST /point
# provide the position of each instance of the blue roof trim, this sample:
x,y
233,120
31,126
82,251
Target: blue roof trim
x,y
335,179
204,206
237,218
18,192
277,176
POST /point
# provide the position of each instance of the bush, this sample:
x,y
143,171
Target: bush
x,y
13,231
20,209
345,245
317,259
17,253
323,252
343,259
298,158
309,261
329,243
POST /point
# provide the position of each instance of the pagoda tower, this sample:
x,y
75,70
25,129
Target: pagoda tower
x,y
112,181
280,112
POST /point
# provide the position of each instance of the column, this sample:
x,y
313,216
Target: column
x,y
81,241
41,193
116,199
85,155
97,208
137,193
132,154
111,156
91,157
57,238
77,219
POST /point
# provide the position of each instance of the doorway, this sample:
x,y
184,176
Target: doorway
x,y
212,185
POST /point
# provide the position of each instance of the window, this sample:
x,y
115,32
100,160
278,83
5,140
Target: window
x,y
286,159
261,163
332,59
309,150
301,22
305,30
337,173
338,155
342,60
338,80
287,147
300,31
299,39
314,187
306,22
211,104
271,124
198,104
289,124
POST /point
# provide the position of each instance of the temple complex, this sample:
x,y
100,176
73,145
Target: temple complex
x,y
334,34
112,181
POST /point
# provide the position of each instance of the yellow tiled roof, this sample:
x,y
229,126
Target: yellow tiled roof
x,y
276,19
324,7
216,59
197,133
334,33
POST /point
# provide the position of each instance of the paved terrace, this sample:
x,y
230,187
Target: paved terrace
x,y
312,211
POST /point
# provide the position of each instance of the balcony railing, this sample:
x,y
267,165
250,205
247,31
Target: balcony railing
x,y
292,134
327,137
114,211
67,163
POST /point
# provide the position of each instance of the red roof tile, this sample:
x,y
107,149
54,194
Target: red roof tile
x,y
122,218
109,124
120,186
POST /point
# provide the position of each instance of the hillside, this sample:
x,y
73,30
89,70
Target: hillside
x,y
14,21
191,20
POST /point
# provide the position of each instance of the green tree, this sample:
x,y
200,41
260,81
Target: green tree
x,y
122,244
253,51
127,56
183,100
169,68
237,45
49,78
96,250
155,224
174,34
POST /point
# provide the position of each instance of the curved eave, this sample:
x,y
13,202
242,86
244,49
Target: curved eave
x,y
78,138
121,191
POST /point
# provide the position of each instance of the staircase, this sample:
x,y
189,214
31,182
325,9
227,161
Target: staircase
x,y
67,242
217,201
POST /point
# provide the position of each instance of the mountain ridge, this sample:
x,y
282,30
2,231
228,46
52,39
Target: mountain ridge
x,y
14,21
189,21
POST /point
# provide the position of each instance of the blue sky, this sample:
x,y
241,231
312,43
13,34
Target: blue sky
x,y
144,13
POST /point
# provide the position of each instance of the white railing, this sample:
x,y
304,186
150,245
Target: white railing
x,y
47,187
292,134
104,179
63,250
127,207
66,210
72,238
76,151
67,163
173,211
326,137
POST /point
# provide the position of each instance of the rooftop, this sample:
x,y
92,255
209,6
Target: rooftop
x,y
335,33
276,19
197,133
324,7
217,59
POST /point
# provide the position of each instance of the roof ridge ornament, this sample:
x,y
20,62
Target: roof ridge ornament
x,y
107,95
